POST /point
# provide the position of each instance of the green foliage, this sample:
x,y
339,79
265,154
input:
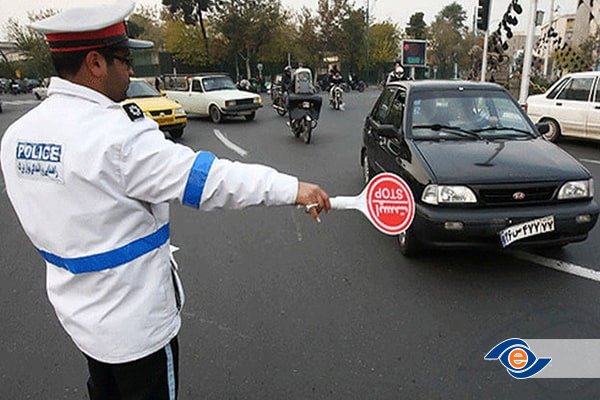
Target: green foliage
x,y
416,28
33,46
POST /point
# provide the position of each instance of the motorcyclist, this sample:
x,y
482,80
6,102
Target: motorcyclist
x,y
286,80
397,74
335,79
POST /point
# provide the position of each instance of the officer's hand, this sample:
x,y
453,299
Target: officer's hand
x,y
313,198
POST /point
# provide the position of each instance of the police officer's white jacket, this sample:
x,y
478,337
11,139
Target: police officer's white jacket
x,y
91,185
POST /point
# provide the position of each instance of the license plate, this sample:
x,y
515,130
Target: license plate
x,y
526,229
305,104
164,120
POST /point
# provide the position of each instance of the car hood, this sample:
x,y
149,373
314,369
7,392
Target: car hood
x,y
232,94
153,103
485,161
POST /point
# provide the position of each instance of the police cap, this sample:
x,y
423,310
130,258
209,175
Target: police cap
x,y
88,28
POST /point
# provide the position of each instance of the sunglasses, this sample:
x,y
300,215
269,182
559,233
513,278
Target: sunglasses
x,y
126,60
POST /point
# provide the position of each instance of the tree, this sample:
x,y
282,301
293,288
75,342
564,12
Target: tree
x,y
146,24
416,27
384,42
192,12
248,25
352,41
448,39
32,44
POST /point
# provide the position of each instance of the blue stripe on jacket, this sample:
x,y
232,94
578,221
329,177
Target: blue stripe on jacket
x,y
197,179
112,258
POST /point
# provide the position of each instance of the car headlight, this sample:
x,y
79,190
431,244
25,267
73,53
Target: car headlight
x,y
441,194
258,100
179,111
577,190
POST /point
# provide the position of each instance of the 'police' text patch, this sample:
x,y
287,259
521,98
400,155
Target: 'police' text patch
x,y
40,161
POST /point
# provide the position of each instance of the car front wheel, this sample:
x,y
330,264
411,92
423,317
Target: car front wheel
x,y
367,172
176,133
215,114
553,132
409,244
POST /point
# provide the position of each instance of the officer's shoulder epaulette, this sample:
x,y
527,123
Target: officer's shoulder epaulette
x,y
133,111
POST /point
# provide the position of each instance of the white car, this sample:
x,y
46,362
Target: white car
x,y
571,107
216,96
40,92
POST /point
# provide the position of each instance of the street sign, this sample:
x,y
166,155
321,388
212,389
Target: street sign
x,y
386,201
414,52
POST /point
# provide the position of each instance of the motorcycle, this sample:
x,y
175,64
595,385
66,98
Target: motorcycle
x,y
303,105
357,85
279,100
304,110
336,97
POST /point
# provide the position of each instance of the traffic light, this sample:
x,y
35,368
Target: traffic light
x,y
483,14
414,53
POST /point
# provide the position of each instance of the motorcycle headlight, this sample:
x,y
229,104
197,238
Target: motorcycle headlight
x,y
442,194
576,190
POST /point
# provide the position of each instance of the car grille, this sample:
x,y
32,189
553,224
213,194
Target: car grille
x,y
244,101
517,194
158,113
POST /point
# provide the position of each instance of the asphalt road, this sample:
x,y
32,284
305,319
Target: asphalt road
x,y
280,307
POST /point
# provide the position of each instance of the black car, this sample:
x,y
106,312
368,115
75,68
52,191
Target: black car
x,y
479,169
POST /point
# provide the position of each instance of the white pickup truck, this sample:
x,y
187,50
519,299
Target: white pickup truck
x,y
215,96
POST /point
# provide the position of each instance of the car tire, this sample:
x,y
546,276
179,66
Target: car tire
x,y
554,132
216,115
176,133
409,244
367,170
251,116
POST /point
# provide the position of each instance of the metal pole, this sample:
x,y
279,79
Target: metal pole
x,y
527,58
547,55
484,56
367,43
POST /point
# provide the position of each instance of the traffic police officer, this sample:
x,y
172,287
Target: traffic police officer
x,y
91,183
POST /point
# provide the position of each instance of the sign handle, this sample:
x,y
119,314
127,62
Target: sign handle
x,y
345,202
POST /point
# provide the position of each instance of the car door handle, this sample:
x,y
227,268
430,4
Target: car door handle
x,y
559,104
597,107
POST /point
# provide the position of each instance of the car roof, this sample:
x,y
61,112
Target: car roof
x,y
583,73
426,85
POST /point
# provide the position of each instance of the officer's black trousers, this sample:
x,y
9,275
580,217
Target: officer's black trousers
x,y
154,377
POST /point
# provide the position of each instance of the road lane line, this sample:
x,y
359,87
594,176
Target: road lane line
x,y
558,265
587,160
229,144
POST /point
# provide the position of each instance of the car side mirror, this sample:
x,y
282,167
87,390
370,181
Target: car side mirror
x,y
542,128
387,130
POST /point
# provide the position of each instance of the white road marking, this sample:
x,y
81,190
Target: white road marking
x,y
590,161
19,102
229,144
558,265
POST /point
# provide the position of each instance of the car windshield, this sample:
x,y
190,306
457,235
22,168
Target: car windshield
x,y
471,115
139,89
218,83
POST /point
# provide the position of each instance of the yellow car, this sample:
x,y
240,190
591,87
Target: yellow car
x,y
169,115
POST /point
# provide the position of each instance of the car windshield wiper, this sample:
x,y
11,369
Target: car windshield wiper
x,y
450,129
505,128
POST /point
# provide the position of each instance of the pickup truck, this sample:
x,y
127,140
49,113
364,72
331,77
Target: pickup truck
x,y
215,96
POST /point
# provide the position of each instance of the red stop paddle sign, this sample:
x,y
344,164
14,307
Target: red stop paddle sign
x,y
386,201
